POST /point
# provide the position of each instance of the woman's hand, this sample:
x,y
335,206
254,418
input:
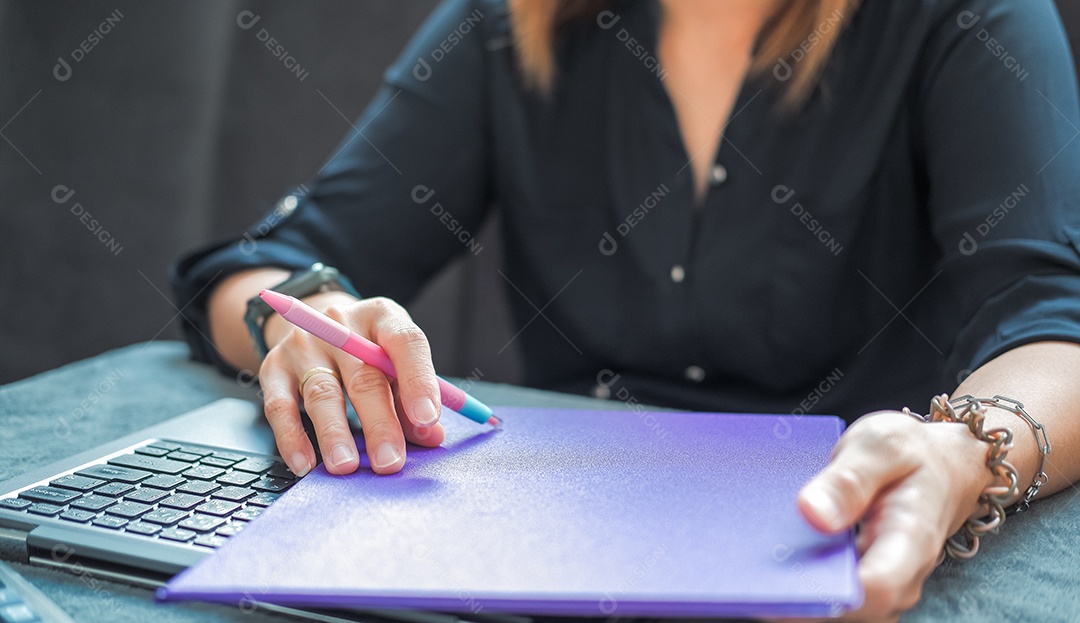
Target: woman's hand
x,y
909,486
391,411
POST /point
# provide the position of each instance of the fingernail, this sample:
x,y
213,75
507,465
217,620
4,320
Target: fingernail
x,y
341,455
824,507
386,456
299,464
424,412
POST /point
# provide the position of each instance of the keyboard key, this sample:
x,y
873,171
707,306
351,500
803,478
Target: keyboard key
x,y
74,514
218,507
196,450
204,472
128,510
141,527
202,523
151,463
238,478
17,613
114,473
108,521
273,485
199,487
230,529
235,494
41,508
186,457
281,471
114,489
214,461
146,495
264,499
255,465
248,513
161,481
52,495
177,534
164,516
166,445
210,540
181,500
14,503
93,502
78,483
229,456
151,451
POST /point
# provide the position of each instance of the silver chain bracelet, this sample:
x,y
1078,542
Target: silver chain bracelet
x,y
972,411
1043,441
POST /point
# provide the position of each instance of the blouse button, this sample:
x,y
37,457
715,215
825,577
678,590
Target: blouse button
x,y
599,391
695,374
718,175
287,205
678,273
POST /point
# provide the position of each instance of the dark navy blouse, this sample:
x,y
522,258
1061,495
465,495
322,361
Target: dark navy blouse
x,y
919,216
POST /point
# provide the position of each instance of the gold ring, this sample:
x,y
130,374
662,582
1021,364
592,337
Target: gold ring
x,y
317,370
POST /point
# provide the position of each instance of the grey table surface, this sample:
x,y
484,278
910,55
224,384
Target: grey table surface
x,y
1028,572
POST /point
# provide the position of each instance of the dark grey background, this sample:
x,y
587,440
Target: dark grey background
x,y
179,128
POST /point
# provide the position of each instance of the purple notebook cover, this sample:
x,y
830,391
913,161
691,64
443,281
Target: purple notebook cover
x,y
561,512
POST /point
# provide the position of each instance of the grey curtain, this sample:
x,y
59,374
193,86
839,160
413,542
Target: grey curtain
x,y
133,131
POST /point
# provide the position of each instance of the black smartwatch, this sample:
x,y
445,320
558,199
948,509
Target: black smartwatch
x,y
317,278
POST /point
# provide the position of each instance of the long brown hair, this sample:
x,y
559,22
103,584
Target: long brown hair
x,y
794,45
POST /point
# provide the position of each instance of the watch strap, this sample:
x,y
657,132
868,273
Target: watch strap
x,y
302,283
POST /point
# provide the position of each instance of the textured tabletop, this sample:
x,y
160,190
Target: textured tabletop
x,y
1029,572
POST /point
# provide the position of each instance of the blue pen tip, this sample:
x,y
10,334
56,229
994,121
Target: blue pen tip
x,y
476,410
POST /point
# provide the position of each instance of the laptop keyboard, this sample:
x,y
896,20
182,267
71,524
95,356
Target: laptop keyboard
x,y
174,491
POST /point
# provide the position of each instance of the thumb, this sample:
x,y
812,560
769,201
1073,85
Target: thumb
x,y
839,495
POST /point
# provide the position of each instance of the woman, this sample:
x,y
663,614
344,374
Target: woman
x,y
727,203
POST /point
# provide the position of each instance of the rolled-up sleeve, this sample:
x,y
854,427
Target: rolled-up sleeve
x,y
999,121
388,207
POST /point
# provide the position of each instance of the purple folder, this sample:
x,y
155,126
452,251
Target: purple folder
x,y
561,512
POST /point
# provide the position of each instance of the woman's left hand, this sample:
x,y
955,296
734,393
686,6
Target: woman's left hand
x,y
909,486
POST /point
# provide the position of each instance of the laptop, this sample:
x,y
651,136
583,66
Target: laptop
x,y
144,507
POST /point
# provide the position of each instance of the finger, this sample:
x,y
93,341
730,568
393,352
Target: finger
x,y
895,566
428,436
370,393
408,349
904,541
868,460
324,400
282,410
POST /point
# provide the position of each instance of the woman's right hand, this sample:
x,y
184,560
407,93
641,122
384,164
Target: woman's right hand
x,y
392,411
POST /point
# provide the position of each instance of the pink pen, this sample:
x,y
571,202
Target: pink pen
x,y
339,336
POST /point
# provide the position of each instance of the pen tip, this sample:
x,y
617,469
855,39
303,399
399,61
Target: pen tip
x,y
494,421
